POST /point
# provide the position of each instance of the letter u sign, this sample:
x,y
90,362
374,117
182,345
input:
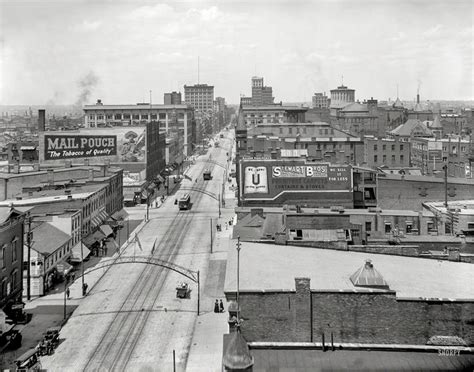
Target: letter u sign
x,y
256,179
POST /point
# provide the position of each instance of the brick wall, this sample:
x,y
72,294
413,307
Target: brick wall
x,y
381,318
351,317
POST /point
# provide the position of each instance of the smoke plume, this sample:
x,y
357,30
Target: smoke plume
x,y
86,86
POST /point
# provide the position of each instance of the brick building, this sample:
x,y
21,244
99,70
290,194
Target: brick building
x,y
261,94
319,141
321,100
410,301
273,114
11,258
386,151
173,98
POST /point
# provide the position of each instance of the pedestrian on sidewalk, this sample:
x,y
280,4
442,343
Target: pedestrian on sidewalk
x,y
216,307
68,292
221,307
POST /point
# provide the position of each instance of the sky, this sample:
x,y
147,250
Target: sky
x,y
69,51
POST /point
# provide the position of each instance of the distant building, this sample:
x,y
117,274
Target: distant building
x,y
321,100
410,129
315,141
361,119
245,101
261,95
342,96
173,98
272,114
199,96
386,152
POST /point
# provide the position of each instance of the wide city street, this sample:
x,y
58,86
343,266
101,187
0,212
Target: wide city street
x,y
132,319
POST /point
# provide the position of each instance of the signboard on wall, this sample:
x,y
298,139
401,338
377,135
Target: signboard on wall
x,y
267,179
78,146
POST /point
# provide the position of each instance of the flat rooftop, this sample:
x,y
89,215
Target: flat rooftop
x,y
271,267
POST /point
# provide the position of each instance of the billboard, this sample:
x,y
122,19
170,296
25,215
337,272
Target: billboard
x,y
66,146
271,179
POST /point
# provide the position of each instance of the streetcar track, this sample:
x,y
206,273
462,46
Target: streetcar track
x,y
134,321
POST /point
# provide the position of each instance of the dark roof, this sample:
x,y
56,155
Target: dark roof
x,y
309,360
47,238
7,212
367,276
409,126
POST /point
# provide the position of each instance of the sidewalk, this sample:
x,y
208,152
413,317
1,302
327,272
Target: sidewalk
x,y
205,354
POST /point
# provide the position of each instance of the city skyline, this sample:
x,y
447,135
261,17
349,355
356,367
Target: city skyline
x,y
78,51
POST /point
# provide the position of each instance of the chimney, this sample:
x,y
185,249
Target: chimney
x,y
50,177
417,98
41,120
91,175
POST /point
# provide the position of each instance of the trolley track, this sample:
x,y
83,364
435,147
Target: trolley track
x,y
123,332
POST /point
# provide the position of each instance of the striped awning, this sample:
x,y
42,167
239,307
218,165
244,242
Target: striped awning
x,y
106,230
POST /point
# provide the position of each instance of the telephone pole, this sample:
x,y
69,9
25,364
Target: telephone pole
x,y
28,268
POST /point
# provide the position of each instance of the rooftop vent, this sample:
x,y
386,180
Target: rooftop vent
x,y
368,277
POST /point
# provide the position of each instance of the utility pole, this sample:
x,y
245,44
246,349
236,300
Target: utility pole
x,y
445,168
82,264
28,269
219,200
211,233
238,279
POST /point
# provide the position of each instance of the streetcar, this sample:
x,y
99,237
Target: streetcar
x,y
184,202
206,175
28,362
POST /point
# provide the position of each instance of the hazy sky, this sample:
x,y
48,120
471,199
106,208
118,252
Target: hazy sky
x,y
299,47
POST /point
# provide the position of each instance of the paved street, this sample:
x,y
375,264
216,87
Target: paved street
x,y
131,318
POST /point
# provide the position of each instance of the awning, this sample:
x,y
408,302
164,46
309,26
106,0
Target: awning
x,y
159,178
76,253
102,216
91,239
106,230
120,215
63,267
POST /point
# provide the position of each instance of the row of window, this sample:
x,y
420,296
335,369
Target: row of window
x,y
384,147
384,159
161,116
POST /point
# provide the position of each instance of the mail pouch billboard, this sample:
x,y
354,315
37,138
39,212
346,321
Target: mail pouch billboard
x,y
281,181
78,146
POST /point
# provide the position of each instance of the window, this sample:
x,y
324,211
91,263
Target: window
x,y
393,147
431,226
375,158
384,158
401,159
154,116
118,116
384,147
368,226
409,227
393,159
388,227
14,249
4,256
126,116
401,147
375,147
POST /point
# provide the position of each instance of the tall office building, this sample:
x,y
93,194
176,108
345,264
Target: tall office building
x,y
321,100
261,95
200,96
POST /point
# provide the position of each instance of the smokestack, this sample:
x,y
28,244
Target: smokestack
x,y
418,98
41,120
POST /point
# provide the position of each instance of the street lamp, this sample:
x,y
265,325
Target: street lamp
x,y
238,279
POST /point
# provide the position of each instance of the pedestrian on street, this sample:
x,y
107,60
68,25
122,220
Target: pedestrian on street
x,y
221,306
68,292
216,307
73,276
